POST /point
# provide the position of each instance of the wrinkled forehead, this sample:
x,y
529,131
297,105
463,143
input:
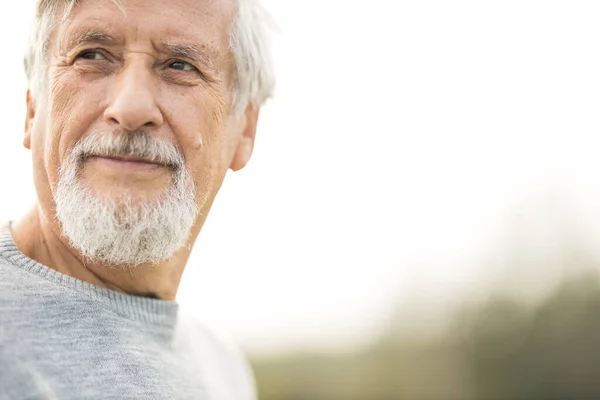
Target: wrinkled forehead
x,y
205,23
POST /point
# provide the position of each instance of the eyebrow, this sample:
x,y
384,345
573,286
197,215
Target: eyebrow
x,y
201,54
90,36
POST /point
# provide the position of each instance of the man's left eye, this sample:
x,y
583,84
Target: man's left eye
x,y
182,66
91,55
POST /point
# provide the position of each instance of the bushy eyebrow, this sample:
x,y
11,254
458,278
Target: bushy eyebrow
x,y
90,36
192,52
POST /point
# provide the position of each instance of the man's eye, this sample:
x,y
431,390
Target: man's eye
x,y
91,55
182,66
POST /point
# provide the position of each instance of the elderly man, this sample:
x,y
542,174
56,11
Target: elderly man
x,y
136,110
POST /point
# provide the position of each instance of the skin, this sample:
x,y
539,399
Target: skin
x,y
134,81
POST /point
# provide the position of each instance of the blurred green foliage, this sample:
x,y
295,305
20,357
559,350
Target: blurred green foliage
x,y
501,348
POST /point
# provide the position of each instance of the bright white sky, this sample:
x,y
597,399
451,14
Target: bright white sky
x,y
400,134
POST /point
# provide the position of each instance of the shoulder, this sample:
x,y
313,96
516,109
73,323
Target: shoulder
x,y
223,365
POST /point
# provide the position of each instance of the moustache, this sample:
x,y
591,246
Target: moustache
x,y
139,146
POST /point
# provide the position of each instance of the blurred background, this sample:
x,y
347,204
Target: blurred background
x,y
421,217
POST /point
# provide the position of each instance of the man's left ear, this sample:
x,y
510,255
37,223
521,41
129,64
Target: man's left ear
x,y
29,120
245,146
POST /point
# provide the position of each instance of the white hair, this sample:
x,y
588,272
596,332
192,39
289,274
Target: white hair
x,y
254,79
119,231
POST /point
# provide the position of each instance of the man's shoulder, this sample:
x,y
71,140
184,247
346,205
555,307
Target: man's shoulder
x,y
13,273
12,281
19,284
224,364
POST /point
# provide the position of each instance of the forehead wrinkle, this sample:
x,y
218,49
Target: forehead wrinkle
x,y
93,35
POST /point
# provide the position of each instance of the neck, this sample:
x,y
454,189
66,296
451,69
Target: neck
x,y
39,238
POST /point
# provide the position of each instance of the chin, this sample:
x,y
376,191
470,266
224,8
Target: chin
x,y
130,195
126,226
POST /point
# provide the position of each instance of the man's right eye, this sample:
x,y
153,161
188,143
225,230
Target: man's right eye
x,y
91,55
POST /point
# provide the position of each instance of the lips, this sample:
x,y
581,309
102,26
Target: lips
x,y
131,159
124,164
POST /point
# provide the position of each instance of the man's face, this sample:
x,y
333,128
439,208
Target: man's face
x,y
125,85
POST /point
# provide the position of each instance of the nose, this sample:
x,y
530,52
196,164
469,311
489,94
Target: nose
x,y
133,102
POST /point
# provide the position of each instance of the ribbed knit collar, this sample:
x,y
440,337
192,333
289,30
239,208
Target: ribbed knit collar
x,y
144,309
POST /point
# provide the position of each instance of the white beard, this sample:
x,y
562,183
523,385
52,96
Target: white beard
x,y
118,232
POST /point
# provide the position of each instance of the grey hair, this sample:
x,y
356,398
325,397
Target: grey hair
x,y
254,79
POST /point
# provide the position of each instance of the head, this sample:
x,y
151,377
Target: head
x,y
136,111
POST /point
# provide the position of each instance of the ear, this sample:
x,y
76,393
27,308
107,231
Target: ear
x,y
29,120
245,146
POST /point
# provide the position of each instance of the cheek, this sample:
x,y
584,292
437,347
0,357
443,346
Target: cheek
x,y
205,116
63,97
197,118
201,127
71,109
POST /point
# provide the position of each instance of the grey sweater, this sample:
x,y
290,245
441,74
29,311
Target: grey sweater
x,y
62,338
